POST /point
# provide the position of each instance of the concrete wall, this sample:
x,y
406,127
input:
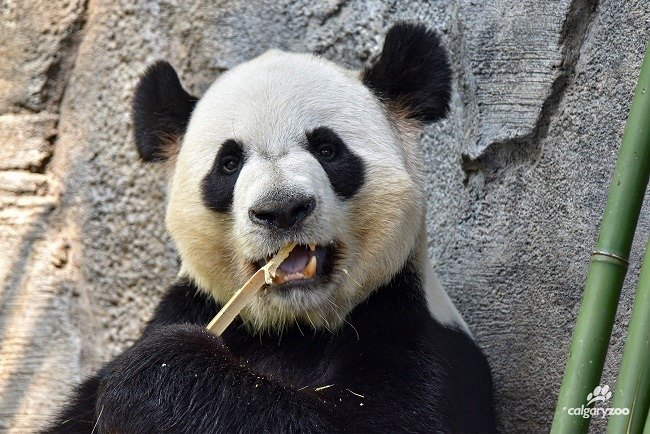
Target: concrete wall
x,y
517,175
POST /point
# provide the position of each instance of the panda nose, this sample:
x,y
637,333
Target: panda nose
x,y
283,215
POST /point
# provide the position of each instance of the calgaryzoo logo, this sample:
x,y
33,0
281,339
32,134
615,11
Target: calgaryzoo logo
x,y
600,393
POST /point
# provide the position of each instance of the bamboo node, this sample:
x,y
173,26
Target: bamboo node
x,y
623,261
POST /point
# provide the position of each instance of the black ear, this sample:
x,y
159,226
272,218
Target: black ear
x,y
412,73
161,111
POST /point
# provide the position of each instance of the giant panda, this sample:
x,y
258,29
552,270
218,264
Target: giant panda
x,y
293,148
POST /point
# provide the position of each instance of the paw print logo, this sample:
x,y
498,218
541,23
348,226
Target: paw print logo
x,y
600,393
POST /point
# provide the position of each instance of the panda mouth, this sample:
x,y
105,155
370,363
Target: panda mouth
x,y
305,262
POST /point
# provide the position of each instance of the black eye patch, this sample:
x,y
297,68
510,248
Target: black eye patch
x,y
218,185
344,169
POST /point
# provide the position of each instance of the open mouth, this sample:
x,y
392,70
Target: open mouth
x,y
304,263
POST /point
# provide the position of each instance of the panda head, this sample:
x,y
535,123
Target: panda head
x,y
293,148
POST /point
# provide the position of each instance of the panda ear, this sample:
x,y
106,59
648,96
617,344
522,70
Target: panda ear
x,y
161,112
412,74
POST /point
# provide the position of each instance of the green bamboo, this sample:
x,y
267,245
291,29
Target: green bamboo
x,y
608,263
633,384
646,430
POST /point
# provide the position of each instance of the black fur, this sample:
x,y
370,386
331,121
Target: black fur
x,y
412,72
161,111
345,170
392,368
218,186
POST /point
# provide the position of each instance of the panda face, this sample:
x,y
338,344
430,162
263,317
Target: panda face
x,y
291,148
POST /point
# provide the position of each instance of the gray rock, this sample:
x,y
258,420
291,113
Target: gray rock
x,y
26,140
38,42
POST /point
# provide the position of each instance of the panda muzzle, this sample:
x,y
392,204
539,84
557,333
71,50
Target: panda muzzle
x,y
304,262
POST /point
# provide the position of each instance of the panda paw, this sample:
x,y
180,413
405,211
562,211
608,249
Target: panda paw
x,y
169,361
140,389
166,354
177,343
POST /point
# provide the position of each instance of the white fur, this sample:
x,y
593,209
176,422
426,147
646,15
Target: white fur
x,y
440,305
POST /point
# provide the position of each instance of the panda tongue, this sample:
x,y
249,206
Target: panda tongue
x,y
297,260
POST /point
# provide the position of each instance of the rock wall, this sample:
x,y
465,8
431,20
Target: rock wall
x,y
518,174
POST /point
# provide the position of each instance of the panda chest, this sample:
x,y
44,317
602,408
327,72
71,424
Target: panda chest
x,y
300,362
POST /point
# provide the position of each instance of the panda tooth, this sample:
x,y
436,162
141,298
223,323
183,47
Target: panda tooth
x,y
310,269
312,247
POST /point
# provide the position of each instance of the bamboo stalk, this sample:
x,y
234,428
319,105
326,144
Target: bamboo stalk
x,y
608,263
245,294
633,385
646,430
237,302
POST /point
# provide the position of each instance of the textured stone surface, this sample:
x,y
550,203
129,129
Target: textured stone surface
x,y
517,175
37,40
26,140
512,52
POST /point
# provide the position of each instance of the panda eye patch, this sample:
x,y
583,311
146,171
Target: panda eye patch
x,y
344,168
218,185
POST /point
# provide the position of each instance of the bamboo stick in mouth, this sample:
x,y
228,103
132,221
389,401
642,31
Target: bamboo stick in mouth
x,y
245,294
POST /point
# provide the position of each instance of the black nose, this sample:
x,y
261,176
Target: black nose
x,y
283,214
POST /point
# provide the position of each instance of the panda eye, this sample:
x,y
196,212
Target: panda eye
x,y
327,151
230,164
